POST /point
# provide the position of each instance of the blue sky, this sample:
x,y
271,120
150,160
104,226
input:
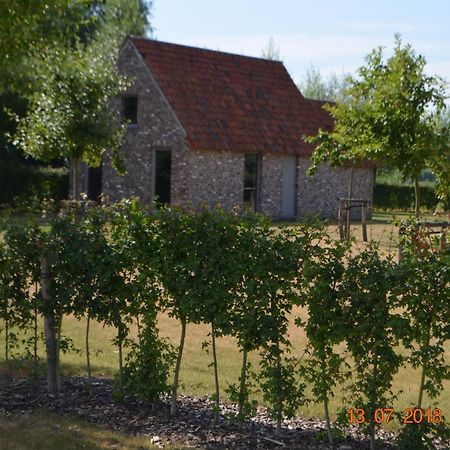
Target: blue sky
x,y
334,36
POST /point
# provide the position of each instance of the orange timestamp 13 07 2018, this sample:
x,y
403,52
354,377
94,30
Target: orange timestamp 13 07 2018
x,y
383,415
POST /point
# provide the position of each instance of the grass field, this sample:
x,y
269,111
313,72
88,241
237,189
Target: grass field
x,y
48,431
197,377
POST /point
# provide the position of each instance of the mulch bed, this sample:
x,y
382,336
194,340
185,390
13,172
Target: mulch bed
x,y
193,427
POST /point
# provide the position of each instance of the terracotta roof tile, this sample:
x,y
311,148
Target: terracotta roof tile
x,y
233,102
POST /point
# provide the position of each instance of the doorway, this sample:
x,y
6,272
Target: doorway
x,y
94,183
162,176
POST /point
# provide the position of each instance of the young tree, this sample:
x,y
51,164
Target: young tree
x,y
389,116
373,328
321,291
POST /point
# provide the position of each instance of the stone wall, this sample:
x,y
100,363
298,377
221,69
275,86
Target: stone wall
x,y
215,178
157,128
319,194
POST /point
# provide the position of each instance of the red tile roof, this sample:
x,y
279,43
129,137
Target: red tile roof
x,y
233,102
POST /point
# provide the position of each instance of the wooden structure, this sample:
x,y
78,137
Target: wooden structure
x,y
345,207
441,228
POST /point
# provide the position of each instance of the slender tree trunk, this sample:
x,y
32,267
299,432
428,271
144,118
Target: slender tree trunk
x,y
8,365
350,195
120,342
373,400
242,387
424,366
58,348
35,344
279,393
417,195
328,421
176,376
49,327
88,355
216,374
76,178
138,324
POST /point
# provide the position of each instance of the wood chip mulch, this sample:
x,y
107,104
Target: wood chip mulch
x,y
192,428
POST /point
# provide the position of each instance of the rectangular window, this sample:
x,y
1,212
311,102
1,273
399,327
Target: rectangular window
x,y
129,110
251,176
163,172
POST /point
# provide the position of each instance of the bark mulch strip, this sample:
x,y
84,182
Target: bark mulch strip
x,y
193,427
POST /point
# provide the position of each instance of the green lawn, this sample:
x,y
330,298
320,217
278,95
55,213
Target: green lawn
x,y
43,430
197,378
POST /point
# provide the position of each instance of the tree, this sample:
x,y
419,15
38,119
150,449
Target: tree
x,y
271,50
315,86
390,116
66,55
70,115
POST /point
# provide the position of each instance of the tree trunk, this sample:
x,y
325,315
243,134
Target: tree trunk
x,y
242,387
417,195
328,421
350,194
216,374
120,342
424,367
373,401
76,178
138,324
279,393
49,327
88,355
35,344
173,401
8,365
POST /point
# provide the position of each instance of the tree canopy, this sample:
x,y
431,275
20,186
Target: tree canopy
x,y
60,58
314,85
391,116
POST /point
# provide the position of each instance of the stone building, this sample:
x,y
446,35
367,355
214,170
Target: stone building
x,y
217,128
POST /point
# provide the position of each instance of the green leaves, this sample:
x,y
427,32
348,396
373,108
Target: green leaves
x,y
389,116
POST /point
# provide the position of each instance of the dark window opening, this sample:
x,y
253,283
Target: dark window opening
x,y
94,183
251,169
129,110
163,169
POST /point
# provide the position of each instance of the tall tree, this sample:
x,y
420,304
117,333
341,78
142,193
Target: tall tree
x,y
69,48
314,85
271,50
390,116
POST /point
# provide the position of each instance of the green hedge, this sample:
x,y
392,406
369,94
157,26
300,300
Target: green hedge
x,y
28,185
388,196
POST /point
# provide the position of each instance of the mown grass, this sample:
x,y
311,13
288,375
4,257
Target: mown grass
x,y
196,375
43,430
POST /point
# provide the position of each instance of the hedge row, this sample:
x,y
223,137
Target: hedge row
x,y
29,185
388,196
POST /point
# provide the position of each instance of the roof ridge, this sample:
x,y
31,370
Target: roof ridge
x,y
132,37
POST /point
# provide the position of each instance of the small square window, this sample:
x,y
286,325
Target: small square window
x,y
129,110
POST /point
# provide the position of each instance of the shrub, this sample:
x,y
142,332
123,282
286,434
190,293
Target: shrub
x,y
22,185
389,196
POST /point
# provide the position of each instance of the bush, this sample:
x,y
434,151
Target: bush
x,y
389,196
30,185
